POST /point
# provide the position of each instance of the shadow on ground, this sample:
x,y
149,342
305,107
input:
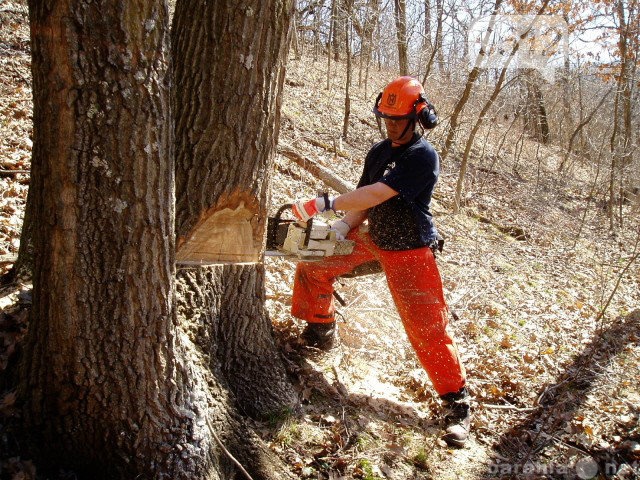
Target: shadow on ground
x,y
522,446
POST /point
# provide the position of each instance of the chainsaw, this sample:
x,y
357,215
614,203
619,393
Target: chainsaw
x,y
310,240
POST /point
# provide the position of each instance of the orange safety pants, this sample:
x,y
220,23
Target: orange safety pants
x,y
416,287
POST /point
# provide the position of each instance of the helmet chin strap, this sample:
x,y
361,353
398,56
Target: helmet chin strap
x,y
411,124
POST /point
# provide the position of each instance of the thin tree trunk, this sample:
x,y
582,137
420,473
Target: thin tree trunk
x,y
370,26
401,35
329,42
338,28
535,114
494,95
590,116
294,36
471,80
440,22
347,97
434,51
427,44
567,116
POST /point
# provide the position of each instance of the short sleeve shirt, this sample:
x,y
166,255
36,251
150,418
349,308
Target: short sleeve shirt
x,y
403,222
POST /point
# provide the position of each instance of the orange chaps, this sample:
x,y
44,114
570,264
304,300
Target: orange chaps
x,y
416,287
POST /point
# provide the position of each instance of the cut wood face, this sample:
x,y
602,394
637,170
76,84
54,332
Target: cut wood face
x,y
224,236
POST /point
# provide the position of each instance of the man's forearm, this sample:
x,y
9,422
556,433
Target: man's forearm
x,y
354,218
364,198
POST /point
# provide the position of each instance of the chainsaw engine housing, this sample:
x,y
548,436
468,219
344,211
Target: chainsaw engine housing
x,y
312,240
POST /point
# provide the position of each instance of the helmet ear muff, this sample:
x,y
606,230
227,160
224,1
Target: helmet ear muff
x,y
426,113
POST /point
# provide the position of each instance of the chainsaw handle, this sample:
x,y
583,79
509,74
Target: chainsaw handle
x,y
309,223
282,209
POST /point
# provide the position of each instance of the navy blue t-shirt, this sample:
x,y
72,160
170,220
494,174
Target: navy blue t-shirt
x,y
404,221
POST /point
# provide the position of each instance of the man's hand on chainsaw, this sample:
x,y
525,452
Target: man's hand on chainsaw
x,y
305,209
341,228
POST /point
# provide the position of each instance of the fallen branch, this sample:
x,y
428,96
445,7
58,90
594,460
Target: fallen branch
x,y
512,230
7,173
6,259
329,148
508,407
327,176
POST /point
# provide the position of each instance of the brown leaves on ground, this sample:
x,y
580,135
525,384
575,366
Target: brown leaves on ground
x,y
523,312
15,125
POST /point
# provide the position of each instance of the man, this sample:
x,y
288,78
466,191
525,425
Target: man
x,y
394,195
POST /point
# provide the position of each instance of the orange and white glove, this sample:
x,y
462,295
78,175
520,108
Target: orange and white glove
x,y
305,209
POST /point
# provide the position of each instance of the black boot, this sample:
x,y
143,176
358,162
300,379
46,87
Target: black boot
x,y
457,419
321,335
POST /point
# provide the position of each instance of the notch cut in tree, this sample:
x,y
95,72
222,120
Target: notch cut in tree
x,y
226,232
227,123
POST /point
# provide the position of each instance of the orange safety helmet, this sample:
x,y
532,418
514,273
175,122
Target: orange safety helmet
x,y
404,97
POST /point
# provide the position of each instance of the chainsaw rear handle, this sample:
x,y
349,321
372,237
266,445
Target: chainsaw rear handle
x,y
271,232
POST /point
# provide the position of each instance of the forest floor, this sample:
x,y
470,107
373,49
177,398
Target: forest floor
x,y
545,303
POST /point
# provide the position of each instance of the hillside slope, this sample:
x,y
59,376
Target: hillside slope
x,y
527,269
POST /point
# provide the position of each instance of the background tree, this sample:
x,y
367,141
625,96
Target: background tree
x,y
401,35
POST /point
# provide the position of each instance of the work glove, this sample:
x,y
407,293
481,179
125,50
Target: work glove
x,y
305,209
341,228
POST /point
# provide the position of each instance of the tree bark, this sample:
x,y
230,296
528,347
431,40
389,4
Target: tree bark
x,y
221,308
105,390
536,122
401,35
229,71
339,21
110,387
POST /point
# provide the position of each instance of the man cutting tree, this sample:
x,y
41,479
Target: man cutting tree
x,y
394,195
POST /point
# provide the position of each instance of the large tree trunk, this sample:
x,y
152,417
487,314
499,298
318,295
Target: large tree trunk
x,y
110,387
222,308
103,389
229,73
